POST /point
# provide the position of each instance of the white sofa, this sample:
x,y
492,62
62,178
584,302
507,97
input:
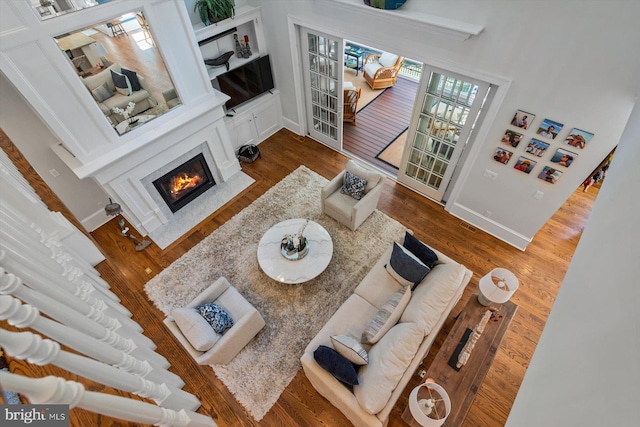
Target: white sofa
x,y
142,98
369,403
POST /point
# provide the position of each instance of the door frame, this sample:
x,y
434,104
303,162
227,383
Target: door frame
x,y
500,84
466,137
320,136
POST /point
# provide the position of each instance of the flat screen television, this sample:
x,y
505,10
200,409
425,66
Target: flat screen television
x,y
246,82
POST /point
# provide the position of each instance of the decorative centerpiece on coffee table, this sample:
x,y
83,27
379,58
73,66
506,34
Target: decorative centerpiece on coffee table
x,y
126,113
295,246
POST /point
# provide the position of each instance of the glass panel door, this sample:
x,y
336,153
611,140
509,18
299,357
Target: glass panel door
x,y
323,86
440,128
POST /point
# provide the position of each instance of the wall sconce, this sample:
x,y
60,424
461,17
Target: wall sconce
x,y
497,287
113,209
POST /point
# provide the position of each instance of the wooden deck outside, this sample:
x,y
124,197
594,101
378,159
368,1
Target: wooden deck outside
x,y
380,122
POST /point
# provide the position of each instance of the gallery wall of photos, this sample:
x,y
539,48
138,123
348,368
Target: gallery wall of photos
x,y
543,143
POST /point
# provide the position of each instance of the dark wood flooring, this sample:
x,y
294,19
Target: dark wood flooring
x,y
380,122
540,269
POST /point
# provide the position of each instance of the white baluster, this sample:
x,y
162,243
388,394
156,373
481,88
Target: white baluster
x,y
27,266
11,175
12,285
54,390
24,241
120,323
27,316
26,345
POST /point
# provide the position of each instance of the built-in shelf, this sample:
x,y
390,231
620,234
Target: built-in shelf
x,y
216,39
234,62
446,27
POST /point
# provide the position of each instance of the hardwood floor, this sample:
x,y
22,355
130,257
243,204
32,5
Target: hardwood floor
x,y
540,270
380,122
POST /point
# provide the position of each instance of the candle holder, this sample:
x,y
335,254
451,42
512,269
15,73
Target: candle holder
x,y
114,209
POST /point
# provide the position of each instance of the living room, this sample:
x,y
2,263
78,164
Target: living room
x,y
514,209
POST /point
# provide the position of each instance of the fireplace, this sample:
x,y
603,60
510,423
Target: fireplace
x,y
184,183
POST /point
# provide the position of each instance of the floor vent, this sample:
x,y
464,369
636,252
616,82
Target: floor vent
x,y
471,228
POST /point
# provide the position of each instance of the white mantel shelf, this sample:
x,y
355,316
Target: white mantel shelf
x,y
450,28
139,138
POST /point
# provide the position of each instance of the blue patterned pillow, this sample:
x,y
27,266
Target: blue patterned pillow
x,y
217,316
353,186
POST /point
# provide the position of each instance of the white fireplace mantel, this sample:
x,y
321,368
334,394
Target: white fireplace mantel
x,y
87,143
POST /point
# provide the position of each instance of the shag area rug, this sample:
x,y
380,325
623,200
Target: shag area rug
x,y
293,313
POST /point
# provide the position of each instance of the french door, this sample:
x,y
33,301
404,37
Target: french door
x,y
322,65
446,110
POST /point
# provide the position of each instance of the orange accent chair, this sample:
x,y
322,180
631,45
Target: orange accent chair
x,y
351,97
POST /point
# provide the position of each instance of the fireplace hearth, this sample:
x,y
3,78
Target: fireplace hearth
x,y
184,183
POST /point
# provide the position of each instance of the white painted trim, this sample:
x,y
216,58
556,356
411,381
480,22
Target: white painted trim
x,y
495,229
293,126
449,28
293,23
95,220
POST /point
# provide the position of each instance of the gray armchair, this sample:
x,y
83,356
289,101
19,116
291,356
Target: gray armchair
x,y
343,207
196,335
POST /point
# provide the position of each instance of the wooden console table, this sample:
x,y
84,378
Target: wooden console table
x,y
463,385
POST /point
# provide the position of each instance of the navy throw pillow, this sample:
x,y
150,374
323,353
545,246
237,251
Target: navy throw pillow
x,y
405,268
420,250
121,82
219,319
336,364
133,79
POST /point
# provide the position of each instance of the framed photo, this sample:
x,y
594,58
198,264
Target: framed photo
x,y
537,147
512,138
525,165
522,119
550,174
549,129
578,138
501,155
563,157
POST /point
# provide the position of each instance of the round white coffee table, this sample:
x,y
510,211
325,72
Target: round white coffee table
x,y
283,270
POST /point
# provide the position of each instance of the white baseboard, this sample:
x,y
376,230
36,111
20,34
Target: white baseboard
x,y
95,220
292,126
495,229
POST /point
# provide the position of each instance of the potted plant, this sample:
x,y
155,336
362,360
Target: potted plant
x,y
212,11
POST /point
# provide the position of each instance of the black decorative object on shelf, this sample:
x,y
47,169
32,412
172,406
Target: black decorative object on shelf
x,y
220,60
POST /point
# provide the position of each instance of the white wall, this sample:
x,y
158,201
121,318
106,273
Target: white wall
x,y
84,197
585,369
568,61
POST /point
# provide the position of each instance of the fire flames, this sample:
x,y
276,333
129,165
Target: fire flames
x,y
183,182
